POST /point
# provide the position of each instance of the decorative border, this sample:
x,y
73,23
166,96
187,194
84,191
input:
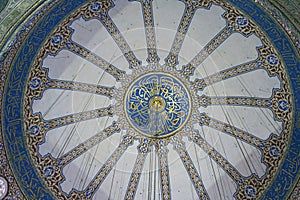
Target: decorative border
x,y
288,22
14,14
29,180
288,172
13,98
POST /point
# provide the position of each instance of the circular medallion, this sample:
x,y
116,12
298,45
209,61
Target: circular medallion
x,y
3,188
157,105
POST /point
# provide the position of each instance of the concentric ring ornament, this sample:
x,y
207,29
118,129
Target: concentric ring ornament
x,y
102,104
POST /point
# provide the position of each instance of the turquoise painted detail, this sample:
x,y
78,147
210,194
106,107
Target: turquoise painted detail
x,y
3,4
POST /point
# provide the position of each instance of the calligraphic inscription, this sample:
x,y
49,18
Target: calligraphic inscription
x,y
157,105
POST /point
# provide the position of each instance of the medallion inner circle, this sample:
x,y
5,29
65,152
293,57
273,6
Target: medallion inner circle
x,y
157,105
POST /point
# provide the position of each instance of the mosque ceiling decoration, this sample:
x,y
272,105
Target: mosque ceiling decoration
x,y
145,99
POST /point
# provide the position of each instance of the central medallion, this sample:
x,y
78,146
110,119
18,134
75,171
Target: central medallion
x,y
157,105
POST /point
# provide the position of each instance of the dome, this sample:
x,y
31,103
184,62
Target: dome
x,y
149,99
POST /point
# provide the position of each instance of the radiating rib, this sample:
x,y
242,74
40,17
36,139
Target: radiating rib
x,y
77,117
147,11
172,59
189,12
200,84
213,44
88,144
83,87
120,41
106,168
135,175
164,172
179,146
205,101
95,59
230,130
216,156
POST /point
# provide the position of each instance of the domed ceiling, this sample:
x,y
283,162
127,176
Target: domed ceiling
x,y
149,99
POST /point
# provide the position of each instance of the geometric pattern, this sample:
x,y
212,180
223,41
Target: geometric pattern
x,y
155,117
